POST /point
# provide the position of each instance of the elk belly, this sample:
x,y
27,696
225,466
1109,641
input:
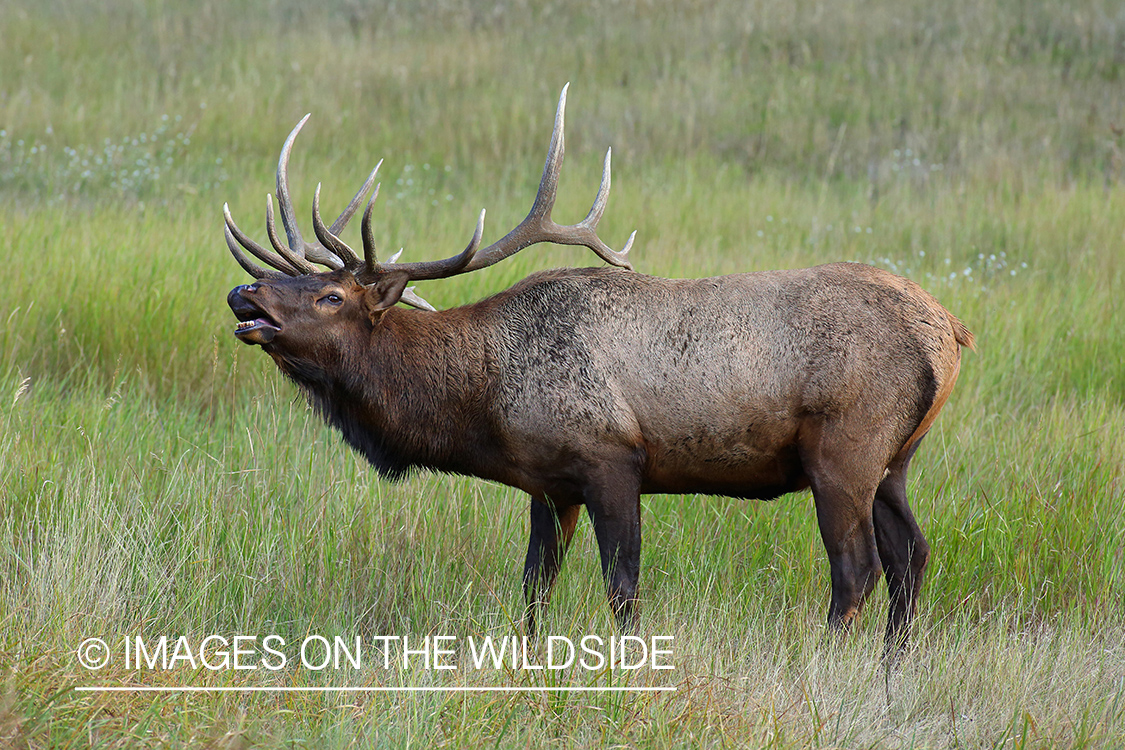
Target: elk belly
x,y
744,465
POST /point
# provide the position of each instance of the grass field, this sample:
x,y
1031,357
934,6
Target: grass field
x,y
158,478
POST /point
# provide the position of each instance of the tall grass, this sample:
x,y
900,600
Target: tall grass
x,y
158,478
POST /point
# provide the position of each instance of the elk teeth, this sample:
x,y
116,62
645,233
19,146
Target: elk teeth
x,y
243,325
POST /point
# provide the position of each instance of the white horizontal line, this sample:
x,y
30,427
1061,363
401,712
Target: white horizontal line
x,y
454,689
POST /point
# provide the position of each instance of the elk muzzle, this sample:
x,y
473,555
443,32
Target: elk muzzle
x,y
255,326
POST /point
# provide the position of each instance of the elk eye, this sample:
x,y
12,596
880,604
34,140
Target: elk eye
x,y
334,299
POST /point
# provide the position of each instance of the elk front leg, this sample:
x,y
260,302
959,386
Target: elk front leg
x,y
614,505
551,531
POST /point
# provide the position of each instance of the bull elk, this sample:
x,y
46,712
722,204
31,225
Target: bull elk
x,y
592,386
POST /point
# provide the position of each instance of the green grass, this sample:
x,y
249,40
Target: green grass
x,y
157,478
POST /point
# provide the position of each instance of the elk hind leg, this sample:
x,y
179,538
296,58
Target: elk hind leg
x,y
902,549
843,484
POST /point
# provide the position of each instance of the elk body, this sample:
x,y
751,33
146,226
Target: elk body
x,y
590,387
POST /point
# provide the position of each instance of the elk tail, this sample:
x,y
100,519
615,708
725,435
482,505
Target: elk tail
x,y
963,335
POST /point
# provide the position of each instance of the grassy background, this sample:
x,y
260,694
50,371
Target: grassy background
x,y
158,478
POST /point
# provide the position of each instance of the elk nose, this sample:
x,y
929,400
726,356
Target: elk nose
x,y
244,289
236,294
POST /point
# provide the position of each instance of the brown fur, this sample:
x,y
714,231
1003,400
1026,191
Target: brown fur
x,y
593,386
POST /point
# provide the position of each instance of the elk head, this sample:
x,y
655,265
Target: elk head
x,y
294,304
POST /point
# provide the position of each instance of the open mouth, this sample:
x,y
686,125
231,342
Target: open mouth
x,y
255,326
259,329
246,326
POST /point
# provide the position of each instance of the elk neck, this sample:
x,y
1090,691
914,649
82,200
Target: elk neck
x,y
412,392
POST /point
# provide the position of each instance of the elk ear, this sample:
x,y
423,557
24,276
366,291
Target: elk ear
x,y
385,292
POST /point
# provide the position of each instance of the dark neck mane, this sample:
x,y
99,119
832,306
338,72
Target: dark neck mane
x,y
409,398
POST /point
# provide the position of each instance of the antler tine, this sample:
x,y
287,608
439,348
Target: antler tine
x,y
602,198
288,217
330,240
249,266
370,255
549,182
346,215
586,229
297,244
372,266
297,261
595,215
255,249
409,297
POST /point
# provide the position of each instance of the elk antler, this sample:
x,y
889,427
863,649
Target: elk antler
x,y
330,251
537,226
